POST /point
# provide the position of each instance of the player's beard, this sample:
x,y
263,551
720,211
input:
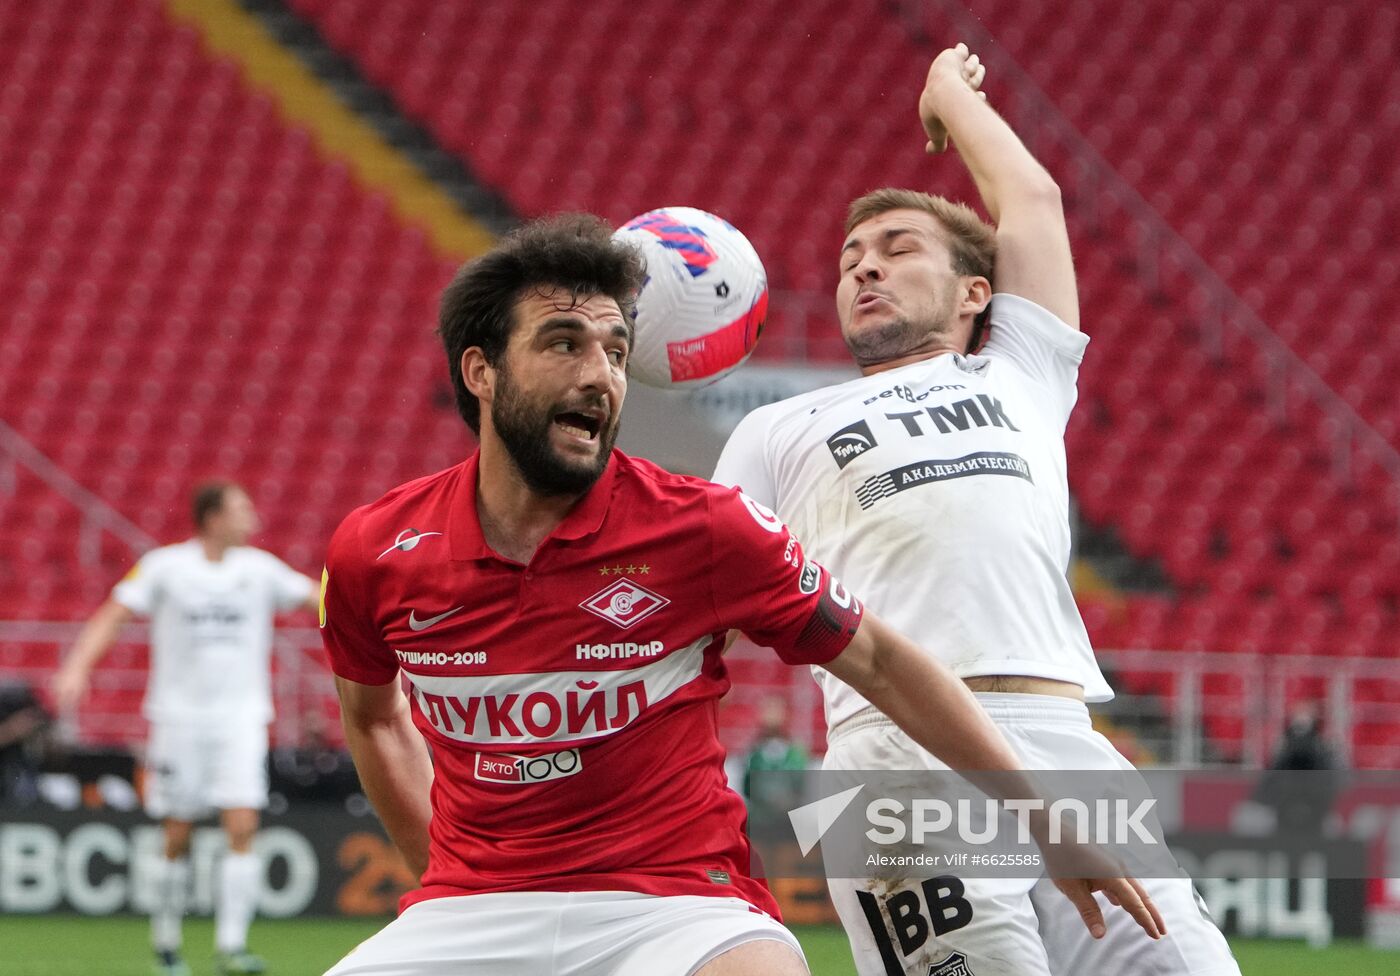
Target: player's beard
x,y
524,427
903,334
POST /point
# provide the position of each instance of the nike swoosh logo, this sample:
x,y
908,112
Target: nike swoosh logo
x,y
415,624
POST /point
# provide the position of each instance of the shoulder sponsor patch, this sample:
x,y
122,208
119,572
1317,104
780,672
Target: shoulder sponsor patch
x,y
811,579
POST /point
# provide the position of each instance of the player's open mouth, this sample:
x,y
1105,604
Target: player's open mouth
x,y
580,425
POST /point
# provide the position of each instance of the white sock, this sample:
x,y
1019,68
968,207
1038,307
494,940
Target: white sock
x,y
239,876
171,882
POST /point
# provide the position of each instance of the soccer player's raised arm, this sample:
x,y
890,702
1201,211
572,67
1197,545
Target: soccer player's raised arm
x,y
70,683
392,761
936,710
1023,200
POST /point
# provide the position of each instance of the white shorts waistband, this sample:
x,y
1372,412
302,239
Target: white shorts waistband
x,y
1010,709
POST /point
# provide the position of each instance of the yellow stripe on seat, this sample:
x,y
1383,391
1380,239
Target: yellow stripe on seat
x,y
232,32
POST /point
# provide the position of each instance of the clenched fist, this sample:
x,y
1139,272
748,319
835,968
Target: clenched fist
x,y
955,66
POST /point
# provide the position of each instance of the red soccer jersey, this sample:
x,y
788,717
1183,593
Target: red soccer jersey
x,y
571,703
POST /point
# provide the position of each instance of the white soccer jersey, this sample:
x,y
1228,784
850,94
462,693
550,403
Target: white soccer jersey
x,y
938,491
211,628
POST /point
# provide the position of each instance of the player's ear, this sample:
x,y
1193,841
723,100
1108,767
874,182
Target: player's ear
x,y
978,293
478,374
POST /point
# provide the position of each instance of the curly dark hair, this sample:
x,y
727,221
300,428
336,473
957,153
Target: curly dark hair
x,y
574,252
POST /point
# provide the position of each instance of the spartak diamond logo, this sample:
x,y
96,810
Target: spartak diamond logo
x,y
624,603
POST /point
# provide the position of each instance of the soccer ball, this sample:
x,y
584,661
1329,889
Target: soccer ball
x,y
703,302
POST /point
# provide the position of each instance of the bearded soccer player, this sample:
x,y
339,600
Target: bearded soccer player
x,y
935,484
559,610
211,601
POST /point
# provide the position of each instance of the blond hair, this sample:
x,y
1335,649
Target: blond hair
x,y
972,243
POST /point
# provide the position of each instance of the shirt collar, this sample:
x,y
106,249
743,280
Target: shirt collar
x,y
584,519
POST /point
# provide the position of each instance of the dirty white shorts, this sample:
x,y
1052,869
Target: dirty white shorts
x,y
980,926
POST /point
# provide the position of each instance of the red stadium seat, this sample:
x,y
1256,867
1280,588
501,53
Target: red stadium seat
x,y
193,288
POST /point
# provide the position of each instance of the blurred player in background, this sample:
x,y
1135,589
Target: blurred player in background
x,y
211,602
936,485
560,611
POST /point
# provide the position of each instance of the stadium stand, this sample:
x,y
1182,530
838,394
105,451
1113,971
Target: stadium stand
x,y
1269,547
184,268
210,257
194,291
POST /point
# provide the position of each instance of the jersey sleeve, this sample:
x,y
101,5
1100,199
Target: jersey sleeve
x,y
353,643
140,587
289,588
743,463
1039,345
764,585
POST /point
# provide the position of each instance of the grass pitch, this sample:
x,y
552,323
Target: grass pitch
x,y
66,945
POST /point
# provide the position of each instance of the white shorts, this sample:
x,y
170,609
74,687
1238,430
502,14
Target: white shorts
x,y
194,770
1013,926
579,933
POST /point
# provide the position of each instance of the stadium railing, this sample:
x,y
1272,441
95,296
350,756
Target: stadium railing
x,y
1219,708
95,515
1356,695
